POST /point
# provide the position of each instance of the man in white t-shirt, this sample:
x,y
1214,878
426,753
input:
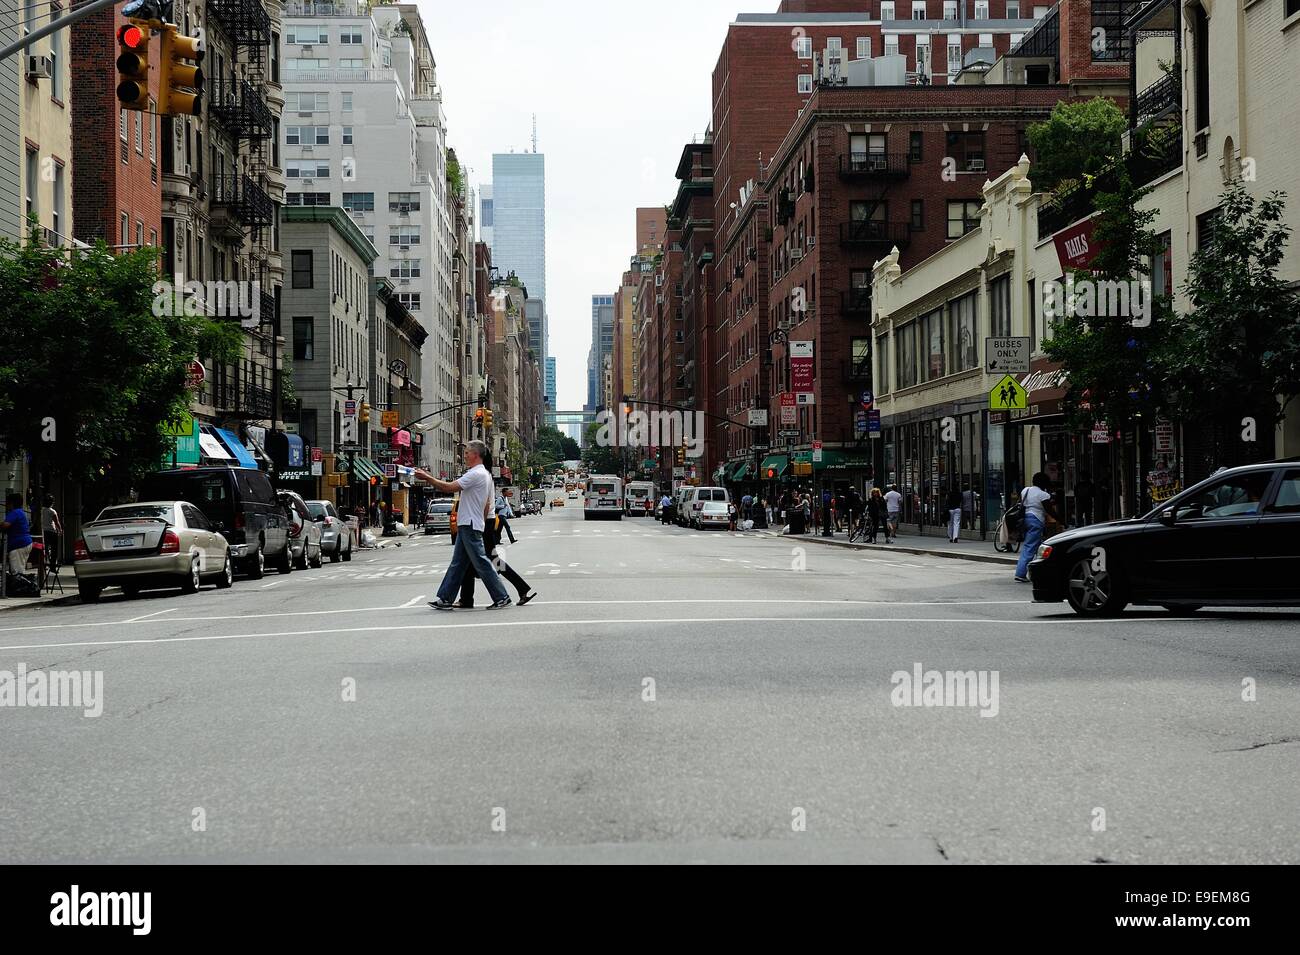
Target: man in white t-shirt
x,y
475,487
893,506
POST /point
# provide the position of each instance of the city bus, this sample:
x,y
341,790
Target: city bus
x,y
602,498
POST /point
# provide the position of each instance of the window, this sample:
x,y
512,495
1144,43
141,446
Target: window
x,y
966,148
347,135
834,48
121,124
139,233
410,299
1205,230
918,9
887,10
963,217
918,215
1288,492
125,228
950,9
1200,65
56,220
954,54
302,269
1000,307
986,41
410,202
33,181
306,35
981,9
1108,17
1013,9
963,327
306,169
1292,8
306,135
359,201
803,47
56,58
304,338
805,83
864,48
306,102
307,198
891,44
405,269
882,372
347,102
139,133
914,142
905,361
351,63
1040,12
404,235
304,65
932,345
860,352
350,36
1236,497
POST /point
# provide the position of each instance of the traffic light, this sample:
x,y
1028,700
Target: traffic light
x,y
681,456
487,418
478,416
180,84
365,413
771,474
133,66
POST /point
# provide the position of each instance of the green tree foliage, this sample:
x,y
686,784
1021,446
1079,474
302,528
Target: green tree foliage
x,y
1076,142
91,371
600,460
554,446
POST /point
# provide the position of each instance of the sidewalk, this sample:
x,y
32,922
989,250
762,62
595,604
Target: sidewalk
x,y
931,545
17,603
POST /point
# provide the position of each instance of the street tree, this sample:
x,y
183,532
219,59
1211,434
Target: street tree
x,y
1076,142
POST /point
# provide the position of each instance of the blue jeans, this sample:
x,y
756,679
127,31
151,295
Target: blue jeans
x,y
469,552
1029,548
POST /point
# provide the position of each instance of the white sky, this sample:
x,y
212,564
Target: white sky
x,y
618,89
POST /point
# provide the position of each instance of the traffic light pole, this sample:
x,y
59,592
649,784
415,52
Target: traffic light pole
x,y
62,22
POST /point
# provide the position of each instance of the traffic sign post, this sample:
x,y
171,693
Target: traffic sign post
x,y
1006,356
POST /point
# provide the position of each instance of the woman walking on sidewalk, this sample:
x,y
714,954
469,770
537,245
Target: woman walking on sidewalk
x,y
954,515
1037,500
877,515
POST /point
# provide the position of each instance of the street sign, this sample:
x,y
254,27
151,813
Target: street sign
x,y
1006,356
389,419
350,408
801,349
1007,395
180,427
790,433
317,455
390,453
390,470
1164,436
1100,433
761,447
789,410
817,452
860,423
351,448
804,398
868,399
873,423
758,417
196,374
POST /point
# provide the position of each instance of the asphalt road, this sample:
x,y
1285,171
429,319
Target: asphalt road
x,y
528,734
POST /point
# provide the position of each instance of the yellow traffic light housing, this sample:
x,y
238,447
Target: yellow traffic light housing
x,y
180,83
365,413
487,418
133,66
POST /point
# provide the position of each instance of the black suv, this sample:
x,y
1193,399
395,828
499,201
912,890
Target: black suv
x,y
1232,539
238,502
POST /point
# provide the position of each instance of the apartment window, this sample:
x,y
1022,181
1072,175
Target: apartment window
x,y
306,135
1292,8
350,36
124,228
306,169
963,217
121,125
275,57
950,9
359,201
1015,40
405,269
986,41
981,9
1108,16
1200,65
1000,307
918,215
954,54
1162,272
306,102
304,65
56,58
918,9
934,355
923,55
966,148
33,181
1205,230
905,354
347,102
302,268
351,63
306,35
887,10
410,202
410,299
805,83
1013,9
153,238
834,48
306,198
404,235
347,135
139,133
962,330
56,221
914,145
864,48
304,338
891,44
1040,12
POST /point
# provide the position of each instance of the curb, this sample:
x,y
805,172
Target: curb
x,y
906,549
54,602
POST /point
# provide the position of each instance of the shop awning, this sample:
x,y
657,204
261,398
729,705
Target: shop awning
x,y
834,459
741,471
236,448
366,469
778,462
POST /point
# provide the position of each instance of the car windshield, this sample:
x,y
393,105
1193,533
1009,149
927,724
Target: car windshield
x,y
136,512
602,488
715,507
440,509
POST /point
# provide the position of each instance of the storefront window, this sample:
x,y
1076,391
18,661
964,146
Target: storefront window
x,y
962,332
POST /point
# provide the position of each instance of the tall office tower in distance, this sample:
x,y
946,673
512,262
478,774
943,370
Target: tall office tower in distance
x,y
519,218
602,344
549,384
485,211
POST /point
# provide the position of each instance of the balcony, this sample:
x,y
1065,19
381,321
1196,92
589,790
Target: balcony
x,y
240,109
856,303
1156,150
235,399
875,166
239,203
246,22
872,232
1162,97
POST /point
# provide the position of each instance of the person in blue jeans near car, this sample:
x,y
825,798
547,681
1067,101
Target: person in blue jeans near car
x,y
475,487
1037,500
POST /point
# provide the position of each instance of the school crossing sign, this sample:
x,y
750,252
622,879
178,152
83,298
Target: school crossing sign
x,y
1008,395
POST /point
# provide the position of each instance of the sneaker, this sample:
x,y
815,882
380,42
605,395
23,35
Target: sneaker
x,y
1022,580
501,604
527,597
441,604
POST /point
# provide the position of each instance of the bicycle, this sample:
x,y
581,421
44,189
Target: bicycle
x,y
1006,539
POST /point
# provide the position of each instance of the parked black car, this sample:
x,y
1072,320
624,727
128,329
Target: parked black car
x,y
1233,539
239,503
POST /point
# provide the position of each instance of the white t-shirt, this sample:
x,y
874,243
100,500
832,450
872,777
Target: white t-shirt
x,y
893,502
475,486
1033,498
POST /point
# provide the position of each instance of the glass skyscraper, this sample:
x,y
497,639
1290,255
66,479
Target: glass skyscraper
x,y
518,216
602,344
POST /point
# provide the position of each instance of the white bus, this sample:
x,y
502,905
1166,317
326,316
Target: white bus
x,y
638,492
603,497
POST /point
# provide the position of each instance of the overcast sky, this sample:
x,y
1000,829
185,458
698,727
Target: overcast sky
x,y
617,87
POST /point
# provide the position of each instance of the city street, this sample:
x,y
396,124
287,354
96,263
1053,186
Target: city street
x,y
670,696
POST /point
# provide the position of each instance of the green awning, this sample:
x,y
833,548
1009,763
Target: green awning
x,y
834,459
780,462
365,469
742,470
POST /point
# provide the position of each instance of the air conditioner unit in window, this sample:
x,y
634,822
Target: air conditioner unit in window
x,y
405,248
39,67
796,255
305,113
812,240
975,165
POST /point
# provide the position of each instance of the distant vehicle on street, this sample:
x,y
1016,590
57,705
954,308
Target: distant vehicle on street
x,y
148,545
304,533
437,519
698,498
335,538
603,498
240,504
573,494
1232,539
713,514
638,492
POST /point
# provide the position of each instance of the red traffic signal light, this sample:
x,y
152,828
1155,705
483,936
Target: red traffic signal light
x,y
133,66
771,474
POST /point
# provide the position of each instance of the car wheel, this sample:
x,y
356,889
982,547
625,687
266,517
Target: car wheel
x,y
347,554
191,582
130,591
320,558
227,578
301,562
336,554
1094,593
89,593
1182,610
257,565
284,563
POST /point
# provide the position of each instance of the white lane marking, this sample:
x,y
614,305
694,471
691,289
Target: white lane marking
x,y
274,583
148,615
412,602
892,621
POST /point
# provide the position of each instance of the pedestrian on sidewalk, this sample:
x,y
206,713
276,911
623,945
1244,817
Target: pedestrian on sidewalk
x,y
954,515
828,507
877,515
1037,500
52,528
665,503
893,506
475,488
18,528
491,544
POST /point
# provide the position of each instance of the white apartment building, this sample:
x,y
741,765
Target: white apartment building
x,y
364,129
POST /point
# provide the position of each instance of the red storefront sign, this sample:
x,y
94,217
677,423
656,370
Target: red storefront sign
x,y
801,374
1076,246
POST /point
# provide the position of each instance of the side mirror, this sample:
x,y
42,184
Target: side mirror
x,y
1168,518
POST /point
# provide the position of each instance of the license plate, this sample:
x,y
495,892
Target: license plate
x,y
606,503
123,541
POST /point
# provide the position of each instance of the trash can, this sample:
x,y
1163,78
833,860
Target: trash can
x,y
798,525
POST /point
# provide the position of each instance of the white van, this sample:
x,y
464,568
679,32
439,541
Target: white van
x,y
602,497
638,492
696,502
683,501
